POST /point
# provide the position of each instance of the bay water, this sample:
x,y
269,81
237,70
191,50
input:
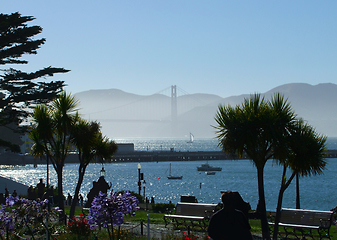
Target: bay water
x,y
317,192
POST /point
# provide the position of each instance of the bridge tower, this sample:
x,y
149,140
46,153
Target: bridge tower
x,y
174,110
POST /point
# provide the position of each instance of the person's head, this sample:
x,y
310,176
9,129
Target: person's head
x,y
228,200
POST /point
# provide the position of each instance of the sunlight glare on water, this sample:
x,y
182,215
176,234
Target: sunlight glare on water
x,y
238,176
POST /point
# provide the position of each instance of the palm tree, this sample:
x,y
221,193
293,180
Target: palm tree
x,y
257,128
91,145
51,133
306,157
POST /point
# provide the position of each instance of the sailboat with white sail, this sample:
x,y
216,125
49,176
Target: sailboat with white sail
x,y
191,138
173,177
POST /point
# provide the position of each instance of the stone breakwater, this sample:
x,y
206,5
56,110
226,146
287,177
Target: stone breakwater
x,y
136,156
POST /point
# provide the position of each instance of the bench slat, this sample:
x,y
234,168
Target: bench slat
x,y
298,219
191,215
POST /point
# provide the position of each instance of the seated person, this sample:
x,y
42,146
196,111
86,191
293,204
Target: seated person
x,y
229,223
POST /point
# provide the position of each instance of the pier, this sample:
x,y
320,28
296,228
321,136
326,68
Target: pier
x,y
144,156
138,156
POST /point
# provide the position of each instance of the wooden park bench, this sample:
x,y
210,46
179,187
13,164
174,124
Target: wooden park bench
x,y
301,223
191,215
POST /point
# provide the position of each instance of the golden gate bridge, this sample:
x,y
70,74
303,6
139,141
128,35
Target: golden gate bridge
x,y
163,106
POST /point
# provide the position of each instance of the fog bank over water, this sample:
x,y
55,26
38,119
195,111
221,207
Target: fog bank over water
x,y
127,115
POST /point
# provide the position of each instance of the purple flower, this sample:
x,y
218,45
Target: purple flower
x,y
28,212
10,201
6,221
111,209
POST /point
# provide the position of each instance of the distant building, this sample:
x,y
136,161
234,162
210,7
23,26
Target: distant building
x,y
25,142
125,147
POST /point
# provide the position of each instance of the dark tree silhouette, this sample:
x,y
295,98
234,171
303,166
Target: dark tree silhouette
x,y
51,133
18,89
305,157
91,146
259,129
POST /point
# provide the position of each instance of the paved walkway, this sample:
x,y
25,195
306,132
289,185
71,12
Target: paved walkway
x,y
20,188
157,231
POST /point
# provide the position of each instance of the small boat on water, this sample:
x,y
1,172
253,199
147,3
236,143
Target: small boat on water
x,y
210,173
173,177
208,168
191,138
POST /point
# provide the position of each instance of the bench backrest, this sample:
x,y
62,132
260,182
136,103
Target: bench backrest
x,y
306,217
195,209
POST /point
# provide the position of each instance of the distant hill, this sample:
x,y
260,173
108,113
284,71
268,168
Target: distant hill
x,y
127,115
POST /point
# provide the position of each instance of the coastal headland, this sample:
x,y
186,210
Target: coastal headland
x,y
137,156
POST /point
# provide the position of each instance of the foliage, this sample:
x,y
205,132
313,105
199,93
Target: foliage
x,y
19,89
155,218
111,209
192,236
270,130
140,197
258,128
90,144
305,157
79,226
26,217
162,207
121,234
51,133
6,221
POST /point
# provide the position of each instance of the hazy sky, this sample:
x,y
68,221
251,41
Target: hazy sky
x,y
219,47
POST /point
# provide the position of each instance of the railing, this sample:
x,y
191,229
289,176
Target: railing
x,y
157,231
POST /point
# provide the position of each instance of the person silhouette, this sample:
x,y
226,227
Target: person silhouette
x,y
14,194
81,200
40,188
70,198
229,223
6,193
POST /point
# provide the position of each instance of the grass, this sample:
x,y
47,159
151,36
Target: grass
x,y
256,228
155,218
158,218
78,210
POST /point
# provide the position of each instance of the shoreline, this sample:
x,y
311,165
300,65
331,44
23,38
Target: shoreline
x,y
137,156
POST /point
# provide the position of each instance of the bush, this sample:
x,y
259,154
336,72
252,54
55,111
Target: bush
x,y
139,197
163,207
79,226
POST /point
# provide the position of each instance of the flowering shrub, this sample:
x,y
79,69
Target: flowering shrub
x,y
29,215
6,222
79,226
111,209
192,237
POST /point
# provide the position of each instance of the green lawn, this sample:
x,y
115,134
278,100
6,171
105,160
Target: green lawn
x,y
158,218
78,210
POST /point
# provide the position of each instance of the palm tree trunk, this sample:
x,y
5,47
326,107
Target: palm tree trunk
x,y
60,189
81,171
298,206
278,211
284,185
264,222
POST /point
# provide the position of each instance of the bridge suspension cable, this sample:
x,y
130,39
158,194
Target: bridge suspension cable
x,y
160,106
